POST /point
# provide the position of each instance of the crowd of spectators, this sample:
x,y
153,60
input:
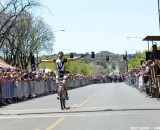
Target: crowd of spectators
x,y
141,76
146,77
17,75
33,75
24,75
109,78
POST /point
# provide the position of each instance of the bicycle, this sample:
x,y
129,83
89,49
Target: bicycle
x,y
61,93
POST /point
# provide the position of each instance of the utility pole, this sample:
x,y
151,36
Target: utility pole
x,y
159,14
126,62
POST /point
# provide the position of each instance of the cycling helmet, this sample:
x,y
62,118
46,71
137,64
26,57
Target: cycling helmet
x,y
61,53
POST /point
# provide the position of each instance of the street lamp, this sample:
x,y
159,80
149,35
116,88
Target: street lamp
x,y
126,61
59,30
139,38
135,37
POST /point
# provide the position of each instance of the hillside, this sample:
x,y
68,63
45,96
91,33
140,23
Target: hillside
x,y
104,53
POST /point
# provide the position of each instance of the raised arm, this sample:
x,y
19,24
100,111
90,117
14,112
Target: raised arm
x,y
76,58
48,61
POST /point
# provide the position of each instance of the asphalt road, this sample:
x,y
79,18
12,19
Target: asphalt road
x,y
112,106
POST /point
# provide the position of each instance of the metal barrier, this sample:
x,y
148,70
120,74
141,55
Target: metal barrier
x,y
25,89
142,83
8,90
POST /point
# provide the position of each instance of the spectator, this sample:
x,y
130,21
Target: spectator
x,y
155,54
7,77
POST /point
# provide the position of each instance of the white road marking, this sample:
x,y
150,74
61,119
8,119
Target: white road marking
x,y
80,113
124,106
75,115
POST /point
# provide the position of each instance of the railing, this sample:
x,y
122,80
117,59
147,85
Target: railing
x,y
22,90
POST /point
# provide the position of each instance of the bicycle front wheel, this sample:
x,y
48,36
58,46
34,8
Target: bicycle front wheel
x,y
62,99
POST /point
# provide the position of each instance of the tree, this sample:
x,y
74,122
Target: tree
x,y
10,10
28,37
133,63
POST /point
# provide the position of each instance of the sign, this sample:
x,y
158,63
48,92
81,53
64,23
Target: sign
x,y
130,56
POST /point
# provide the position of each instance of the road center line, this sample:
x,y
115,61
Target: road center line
x,y
75,105
55,124
87,100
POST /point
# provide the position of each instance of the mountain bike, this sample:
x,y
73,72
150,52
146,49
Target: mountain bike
x,y
61,93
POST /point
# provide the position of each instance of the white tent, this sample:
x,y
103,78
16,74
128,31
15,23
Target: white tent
x,y
3,64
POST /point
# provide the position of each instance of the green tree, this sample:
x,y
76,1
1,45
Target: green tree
x,y
135,62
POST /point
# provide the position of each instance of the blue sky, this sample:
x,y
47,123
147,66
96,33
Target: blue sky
x,y
100,25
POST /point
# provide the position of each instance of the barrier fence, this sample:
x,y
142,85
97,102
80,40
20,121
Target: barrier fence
x,y
27,89
142,83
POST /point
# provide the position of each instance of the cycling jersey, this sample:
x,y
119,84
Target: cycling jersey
x,y
60,64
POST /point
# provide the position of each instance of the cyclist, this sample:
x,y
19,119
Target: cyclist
x,y
60,65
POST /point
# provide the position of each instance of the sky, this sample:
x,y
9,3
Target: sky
x,y
100,25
